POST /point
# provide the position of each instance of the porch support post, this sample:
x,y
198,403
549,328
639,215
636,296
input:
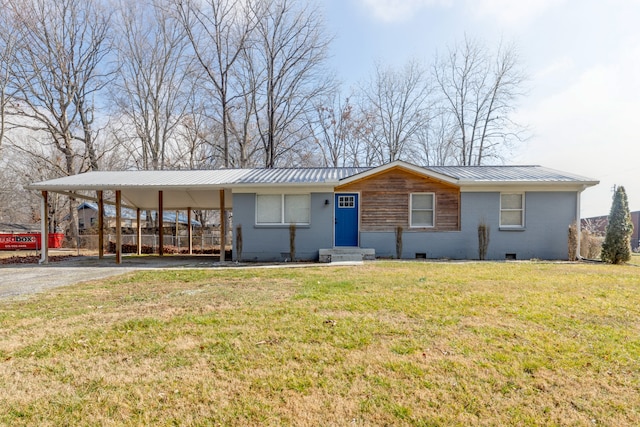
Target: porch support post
x,y
189,231
100,225
44,228
223,228
138,232
175,241
118,227
160,224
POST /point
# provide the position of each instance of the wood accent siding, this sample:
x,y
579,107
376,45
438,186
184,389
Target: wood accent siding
x,y
384,201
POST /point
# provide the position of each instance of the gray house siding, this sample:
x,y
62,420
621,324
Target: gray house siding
x,y
547,218
271,243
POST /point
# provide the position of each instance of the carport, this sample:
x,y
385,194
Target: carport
x,y
144,190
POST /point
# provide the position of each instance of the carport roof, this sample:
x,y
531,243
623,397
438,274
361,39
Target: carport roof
x,y
116,180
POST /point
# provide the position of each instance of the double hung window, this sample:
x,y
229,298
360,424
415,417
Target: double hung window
x,y
422,210
283,209
512,210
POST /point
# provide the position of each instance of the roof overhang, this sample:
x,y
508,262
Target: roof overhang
x,y
522,186
399,164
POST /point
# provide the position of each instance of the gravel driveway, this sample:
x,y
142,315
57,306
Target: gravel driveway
x,y
18,280
23,279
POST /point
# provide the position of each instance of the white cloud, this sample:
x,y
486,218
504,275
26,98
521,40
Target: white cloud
x,y
559,66
511,13
399,10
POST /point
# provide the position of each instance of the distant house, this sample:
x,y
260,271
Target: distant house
x,y
390,210
88,218
598,224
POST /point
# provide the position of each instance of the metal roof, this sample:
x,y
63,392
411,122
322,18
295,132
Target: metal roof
x,y
203,179
297,175
137,179
193,188
497,174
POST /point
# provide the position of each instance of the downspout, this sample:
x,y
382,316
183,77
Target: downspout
x,y
578,224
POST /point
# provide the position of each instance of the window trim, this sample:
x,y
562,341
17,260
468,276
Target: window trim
x,y
282,209
521,210
351,205
432,210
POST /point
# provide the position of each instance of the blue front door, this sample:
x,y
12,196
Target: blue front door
x,y
346,219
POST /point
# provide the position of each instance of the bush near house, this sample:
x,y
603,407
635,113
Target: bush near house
x,y
616,248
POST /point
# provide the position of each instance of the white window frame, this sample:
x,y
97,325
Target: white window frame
x,y
521,210
343,198
283,213
432,210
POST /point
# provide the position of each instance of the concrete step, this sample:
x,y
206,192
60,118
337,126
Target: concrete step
x,y
345,254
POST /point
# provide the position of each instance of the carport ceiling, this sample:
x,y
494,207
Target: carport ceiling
x,y
175,199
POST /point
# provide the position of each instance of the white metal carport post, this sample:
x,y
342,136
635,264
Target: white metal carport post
x,y
44,230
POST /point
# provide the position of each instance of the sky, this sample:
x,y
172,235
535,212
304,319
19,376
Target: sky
x,y
582,59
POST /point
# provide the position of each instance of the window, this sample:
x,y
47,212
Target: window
x,y
346,201
512,210
269,209
283,209
422,210
296,208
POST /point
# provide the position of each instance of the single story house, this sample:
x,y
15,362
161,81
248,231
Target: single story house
x,y
433,211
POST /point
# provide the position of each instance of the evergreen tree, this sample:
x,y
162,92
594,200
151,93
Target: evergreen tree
x,y
616,248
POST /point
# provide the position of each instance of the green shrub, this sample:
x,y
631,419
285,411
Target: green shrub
x,y
616,248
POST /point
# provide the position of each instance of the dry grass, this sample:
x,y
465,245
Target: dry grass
x,y
27,253
387,343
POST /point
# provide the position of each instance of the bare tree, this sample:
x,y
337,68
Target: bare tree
x,y
9,42
194,136
57,73
399,103
286,59
479,91
153,88
435,143
242,124
218,31
337,131
26,160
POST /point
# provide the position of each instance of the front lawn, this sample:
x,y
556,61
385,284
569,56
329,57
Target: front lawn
x,y
385,343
